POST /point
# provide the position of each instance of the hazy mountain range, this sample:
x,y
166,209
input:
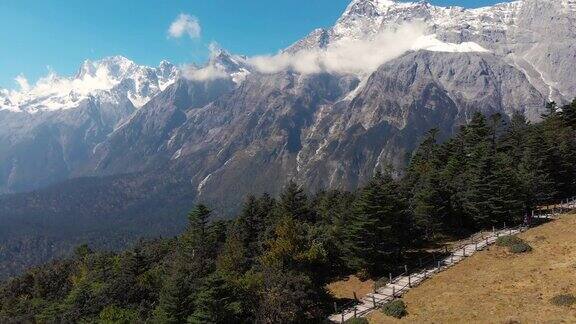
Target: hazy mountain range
x,y
327,111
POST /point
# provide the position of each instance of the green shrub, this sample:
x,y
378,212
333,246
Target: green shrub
x,y
514,244
563,300
382,282
521,247
395,308
508,240
363,274
113,314
357,320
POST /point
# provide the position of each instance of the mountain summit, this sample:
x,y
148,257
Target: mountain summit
x,y
104,79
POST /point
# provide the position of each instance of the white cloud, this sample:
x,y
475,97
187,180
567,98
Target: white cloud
x,y
185,24
22,82
211,71
344,56
207,73
353,56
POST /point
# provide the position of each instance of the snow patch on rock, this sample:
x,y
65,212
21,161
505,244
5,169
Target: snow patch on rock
x,y
431,43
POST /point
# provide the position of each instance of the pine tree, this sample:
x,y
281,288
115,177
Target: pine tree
x,y
195,248
252,222
175,303
198,220
216,301
234,259
426,195
294,202
505,200
480,163
375,233
568,115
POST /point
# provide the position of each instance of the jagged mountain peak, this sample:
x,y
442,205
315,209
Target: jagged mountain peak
x,y
109,78
227,61
118,66
364,7
221,65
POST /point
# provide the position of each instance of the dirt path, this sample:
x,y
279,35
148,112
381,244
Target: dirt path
x,y
403,283
495,286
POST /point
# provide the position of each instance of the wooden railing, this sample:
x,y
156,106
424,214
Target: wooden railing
x,y
429,266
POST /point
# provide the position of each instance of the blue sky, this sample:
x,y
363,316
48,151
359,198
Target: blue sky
x,y
60,34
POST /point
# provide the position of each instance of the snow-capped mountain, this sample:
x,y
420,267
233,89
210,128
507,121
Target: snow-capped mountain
x,y
221,65
518,32
48,130
99,80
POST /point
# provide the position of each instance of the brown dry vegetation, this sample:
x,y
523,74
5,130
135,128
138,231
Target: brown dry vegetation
x,y
345,288
496,286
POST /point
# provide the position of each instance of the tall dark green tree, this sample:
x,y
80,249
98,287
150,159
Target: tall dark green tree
x,y
217,301
375,234
176,299
294,202
424,190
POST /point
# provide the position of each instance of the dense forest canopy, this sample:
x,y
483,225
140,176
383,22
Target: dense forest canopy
x,y
272,263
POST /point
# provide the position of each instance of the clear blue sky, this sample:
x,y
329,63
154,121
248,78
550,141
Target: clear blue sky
x,y
35,34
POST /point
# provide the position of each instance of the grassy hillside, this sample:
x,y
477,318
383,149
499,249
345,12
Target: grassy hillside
x,y
495,286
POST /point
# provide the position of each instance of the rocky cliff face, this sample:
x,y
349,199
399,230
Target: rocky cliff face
x,y
518,32
323,130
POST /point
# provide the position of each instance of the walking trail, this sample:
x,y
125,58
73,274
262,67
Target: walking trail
x,y
404,282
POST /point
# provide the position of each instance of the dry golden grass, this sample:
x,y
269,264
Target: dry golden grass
x,y
495,286
346,288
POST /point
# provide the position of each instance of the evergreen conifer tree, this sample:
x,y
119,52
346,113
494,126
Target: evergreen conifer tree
x,y
376,231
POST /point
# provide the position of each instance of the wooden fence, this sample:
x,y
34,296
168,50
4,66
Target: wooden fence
x,y
402,282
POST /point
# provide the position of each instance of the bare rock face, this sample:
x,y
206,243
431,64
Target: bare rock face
x,y
45,147
309,129
143,140
323,130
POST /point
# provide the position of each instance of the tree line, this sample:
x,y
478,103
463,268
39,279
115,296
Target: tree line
x,y
272,263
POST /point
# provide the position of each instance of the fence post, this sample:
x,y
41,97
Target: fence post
x,y
342,318
390,274
355,311
374,300
464,251
439,265
335,308
355,297
406,268
409,281
393,291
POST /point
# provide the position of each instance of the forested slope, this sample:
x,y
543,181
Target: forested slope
x,y
272,263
